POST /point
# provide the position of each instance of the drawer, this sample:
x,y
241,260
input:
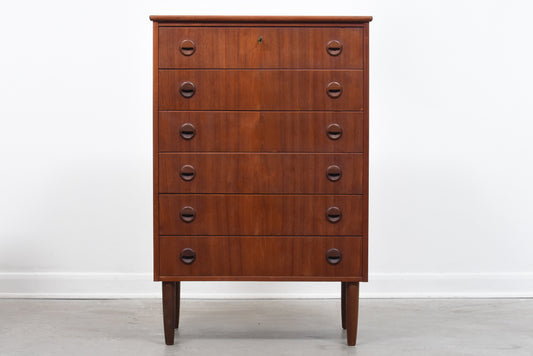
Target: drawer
x,y
242,214
253,131
260,90
296,173
280,256
260,47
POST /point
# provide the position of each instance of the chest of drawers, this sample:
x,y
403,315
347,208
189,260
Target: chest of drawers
x,y
260,153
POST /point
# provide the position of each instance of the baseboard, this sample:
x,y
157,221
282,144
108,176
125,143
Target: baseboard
x,y
381,285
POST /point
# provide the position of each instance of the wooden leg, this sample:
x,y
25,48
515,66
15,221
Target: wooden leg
x,y
343,304
352,311
169,311
178,296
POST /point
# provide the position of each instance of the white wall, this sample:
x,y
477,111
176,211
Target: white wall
x,y
451,147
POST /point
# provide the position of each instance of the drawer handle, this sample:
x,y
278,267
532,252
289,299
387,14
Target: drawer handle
x,y
187,89
334,90
333,214
334,173
334,131
187,256
333,256
334,47
187,47
187,131
188,214
187,172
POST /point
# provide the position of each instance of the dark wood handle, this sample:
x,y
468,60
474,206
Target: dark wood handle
x,y
187,131
187,172
334,47
188,256
333,256
334,90
187,89
334,131
188,214
334,173
333,214
187,47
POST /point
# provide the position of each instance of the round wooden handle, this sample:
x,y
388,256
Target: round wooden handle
x,y
334,173
334,131
333,214
188,214
187,89
188,256
187,172
187,131
333,256
334,47
187,47
334,90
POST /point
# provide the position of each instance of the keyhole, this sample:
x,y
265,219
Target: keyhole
x,y
260,40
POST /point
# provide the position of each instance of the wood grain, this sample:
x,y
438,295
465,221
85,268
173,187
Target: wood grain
x,y
275,173
240,47
261,90
261,256
218,214
254,131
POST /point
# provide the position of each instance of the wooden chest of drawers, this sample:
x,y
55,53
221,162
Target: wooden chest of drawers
x,y
260,153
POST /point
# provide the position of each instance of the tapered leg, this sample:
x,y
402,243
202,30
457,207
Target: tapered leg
x,y
343,304
352,311
178,296
169,311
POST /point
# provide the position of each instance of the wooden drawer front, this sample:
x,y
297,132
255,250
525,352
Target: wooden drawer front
x,y
294,173
260,214
221,256
260,90
225,47
254,131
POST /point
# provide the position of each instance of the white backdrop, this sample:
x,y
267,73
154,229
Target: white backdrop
x,y
451,162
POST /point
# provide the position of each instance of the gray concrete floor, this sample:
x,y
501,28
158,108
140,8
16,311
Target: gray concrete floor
x,y
267,327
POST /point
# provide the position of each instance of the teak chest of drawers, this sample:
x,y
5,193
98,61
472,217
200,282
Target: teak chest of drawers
x,y
260,153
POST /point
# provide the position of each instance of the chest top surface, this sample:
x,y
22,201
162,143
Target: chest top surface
x,y
262,19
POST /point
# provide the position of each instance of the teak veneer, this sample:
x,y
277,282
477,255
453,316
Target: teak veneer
x,y
260,143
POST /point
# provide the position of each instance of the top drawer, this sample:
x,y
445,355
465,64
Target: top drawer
x,y
261,47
